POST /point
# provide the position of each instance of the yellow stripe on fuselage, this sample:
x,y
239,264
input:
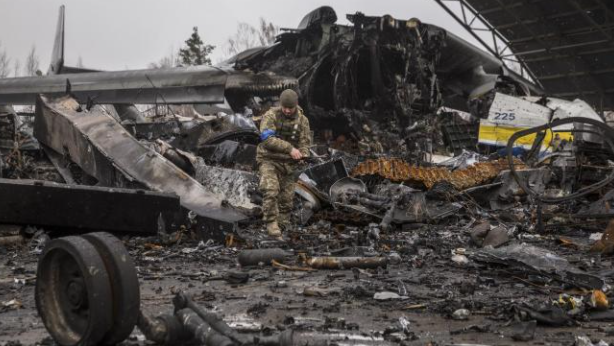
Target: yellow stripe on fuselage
x,y
500,135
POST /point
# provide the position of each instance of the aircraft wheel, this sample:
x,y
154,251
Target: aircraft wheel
x,y
73,292
124,285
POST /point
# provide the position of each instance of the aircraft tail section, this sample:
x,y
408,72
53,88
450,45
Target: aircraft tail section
x,y
57,57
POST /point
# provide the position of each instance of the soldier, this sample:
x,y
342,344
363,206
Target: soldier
x,y
285,140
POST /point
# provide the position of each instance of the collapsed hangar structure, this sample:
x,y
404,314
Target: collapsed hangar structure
x,y
566,47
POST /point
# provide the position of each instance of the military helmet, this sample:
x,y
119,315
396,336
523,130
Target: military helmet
x,y
288,98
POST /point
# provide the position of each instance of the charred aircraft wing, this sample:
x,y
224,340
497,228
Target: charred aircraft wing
x,y
179,85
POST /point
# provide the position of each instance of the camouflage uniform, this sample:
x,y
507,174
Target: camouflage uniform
x,y
280,134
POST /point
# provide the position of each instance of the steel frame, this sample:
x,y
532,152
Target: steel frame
x,y
497,40
469,16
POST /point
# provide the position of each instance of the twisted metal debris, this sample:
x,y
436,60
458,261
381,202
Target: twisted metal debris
x,y
397,170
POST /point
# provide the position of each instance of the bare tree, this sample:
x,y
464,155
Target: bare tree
x,y
17,67
248,36
170,60
5,62
267,33
32,63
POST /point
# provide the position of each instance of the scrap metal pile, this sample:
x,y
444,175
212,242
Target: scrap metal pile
x,y
414,224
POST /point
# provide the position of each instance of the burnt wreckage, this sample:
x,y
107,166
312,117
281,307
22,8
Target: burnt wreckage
x,y
379,73
433,165
381,80
370,88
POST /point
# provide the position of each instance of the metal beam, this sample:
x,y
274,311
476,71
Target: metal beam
x,y
500,8
549,46
577,74
73,207
591,21
569,33
554,41
465,25
589,92
537,20
464,5
531,32
566,56
555,48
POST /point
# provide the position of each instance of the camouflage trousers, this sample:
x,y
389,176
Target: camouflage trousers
x,y
277,187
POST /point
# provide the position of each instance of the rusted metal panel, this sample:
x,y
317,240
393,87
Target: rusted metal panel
x,y
398,170
107,151
44,203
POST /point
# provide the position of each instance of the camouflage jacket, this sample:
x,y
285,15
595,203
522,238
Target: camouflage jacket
x,y
280,133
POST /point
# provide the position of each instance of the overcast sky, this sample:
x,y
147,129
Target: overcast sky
x,y
130,34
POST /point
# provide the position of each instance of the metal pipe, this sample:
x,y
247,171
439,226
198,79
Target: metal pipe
x,y
202,331
183,302
256,256
164,329
346,262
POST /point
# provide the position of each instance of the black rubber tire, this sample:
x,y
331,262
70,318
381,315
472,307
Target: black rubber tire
x,y
71,277
124,285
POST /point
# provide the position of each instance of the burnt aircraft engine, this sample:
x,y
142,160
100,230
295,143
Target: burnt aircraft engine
x,y
377,75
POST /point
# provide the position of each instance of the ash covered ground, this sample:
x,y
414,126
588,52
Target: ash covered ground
x,y
425,295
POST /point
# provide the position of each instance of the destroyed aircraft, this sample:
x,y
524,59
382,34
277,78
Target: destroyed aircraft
x,y
409,229
380,81
379,74
371,88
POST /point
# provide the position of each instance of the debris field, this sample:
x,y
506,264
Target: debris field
x,y
414,222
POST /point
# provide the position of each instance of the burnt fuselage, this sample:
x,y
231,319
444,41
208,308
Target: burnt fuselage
x,y
378,73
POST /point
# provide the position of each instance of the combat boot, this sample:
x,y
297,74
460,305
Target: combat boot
x,y
284,222
273,230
